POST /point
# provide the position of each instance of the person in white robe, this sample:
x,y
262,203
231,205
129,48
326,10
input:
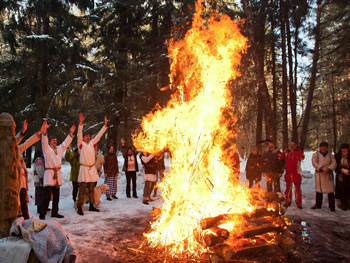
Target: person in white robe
x,y
88,175
52,177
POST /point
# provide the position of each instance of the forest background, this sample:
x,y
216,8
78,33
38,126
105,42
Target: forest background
x,y
59,58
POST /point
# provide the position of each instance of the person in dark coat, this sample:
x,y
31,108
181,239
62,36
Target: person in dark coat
x,y
130,168
342,182
111,173
254,168
149,174
272,168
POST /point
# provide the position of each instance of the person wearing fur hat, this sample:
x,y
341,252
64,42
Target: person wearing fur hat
x,y
293,157
88,175
342,183
111,173
52,177
324,164
22,168
272,168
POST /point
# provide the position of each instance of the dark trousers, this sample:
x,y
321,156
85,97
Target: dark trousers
x,y
273,180
319,198
75,190
147,190
47,198
131,176
24,204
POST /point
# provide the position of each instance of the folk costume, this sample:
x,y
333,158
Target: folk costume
x,y
88,175
52,175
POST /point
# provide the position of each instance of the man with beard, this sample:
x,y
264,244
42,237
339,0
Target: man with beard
x,y
88,175
52,177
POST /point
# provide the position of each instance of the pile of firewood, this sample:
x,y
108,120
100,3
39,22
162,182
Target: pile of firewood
x,y
263,231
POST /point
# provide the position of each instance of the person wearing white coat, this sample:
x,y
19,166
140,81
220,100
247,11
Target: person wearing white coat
x,y
324,164
88,175
52,177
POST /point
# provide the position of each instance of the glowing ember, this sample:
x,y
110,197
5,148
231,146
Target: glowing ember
x,y
200,183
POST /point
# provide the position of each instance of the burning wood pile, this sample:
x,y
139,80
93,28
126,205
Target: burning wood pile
x,y
206,212
261,233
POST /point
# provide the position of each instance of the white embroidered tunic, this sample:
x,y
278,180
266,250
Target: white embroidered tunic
x,y
53,160
88,172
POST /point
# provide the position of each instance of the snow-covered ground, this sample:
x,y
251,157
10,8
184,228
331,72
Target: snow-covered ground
x,y
119,221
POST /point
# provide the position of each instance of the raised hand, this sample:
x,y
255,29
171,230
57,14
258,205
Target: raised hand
x,y
72,129
105,121
44,127
81,118
25,126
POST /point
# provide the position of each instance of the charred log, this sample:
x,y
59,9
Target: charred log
x,y
261,230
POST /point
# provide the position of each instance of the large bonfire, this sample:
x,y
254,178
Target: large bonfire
x,y
195,127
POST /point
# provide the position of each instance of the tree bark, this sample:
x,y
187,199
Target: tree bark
x,y
307,111
292,95
256,31
273,70
284,77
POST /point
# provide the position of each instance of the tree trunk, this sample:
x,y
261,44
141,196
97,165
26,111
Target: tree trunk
x,y
256,32
334,114
310,96
273,71
259,121
292,95
284,78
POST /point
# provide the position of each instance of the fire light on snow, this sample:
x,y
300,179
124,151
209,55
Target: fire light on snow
x,y
194,126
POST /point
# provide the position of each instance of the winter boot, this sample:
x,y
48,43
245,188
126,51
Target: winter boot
x,y
80,211
92,208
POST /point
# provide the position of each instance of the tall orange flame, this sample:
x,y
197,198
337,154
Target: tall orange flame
x,y
200,183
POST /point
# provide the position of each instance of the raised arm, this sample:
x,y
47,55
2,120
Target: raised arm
x,y
36,137
100,133
44,140
146,159
22,133
68,139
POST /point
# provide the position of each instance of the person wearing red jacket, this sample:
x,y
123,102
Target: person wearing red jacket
x,y
292,156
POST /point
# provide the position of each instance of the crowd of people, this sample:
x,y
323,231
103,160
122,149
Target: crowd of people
x,y
273,163
87,165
